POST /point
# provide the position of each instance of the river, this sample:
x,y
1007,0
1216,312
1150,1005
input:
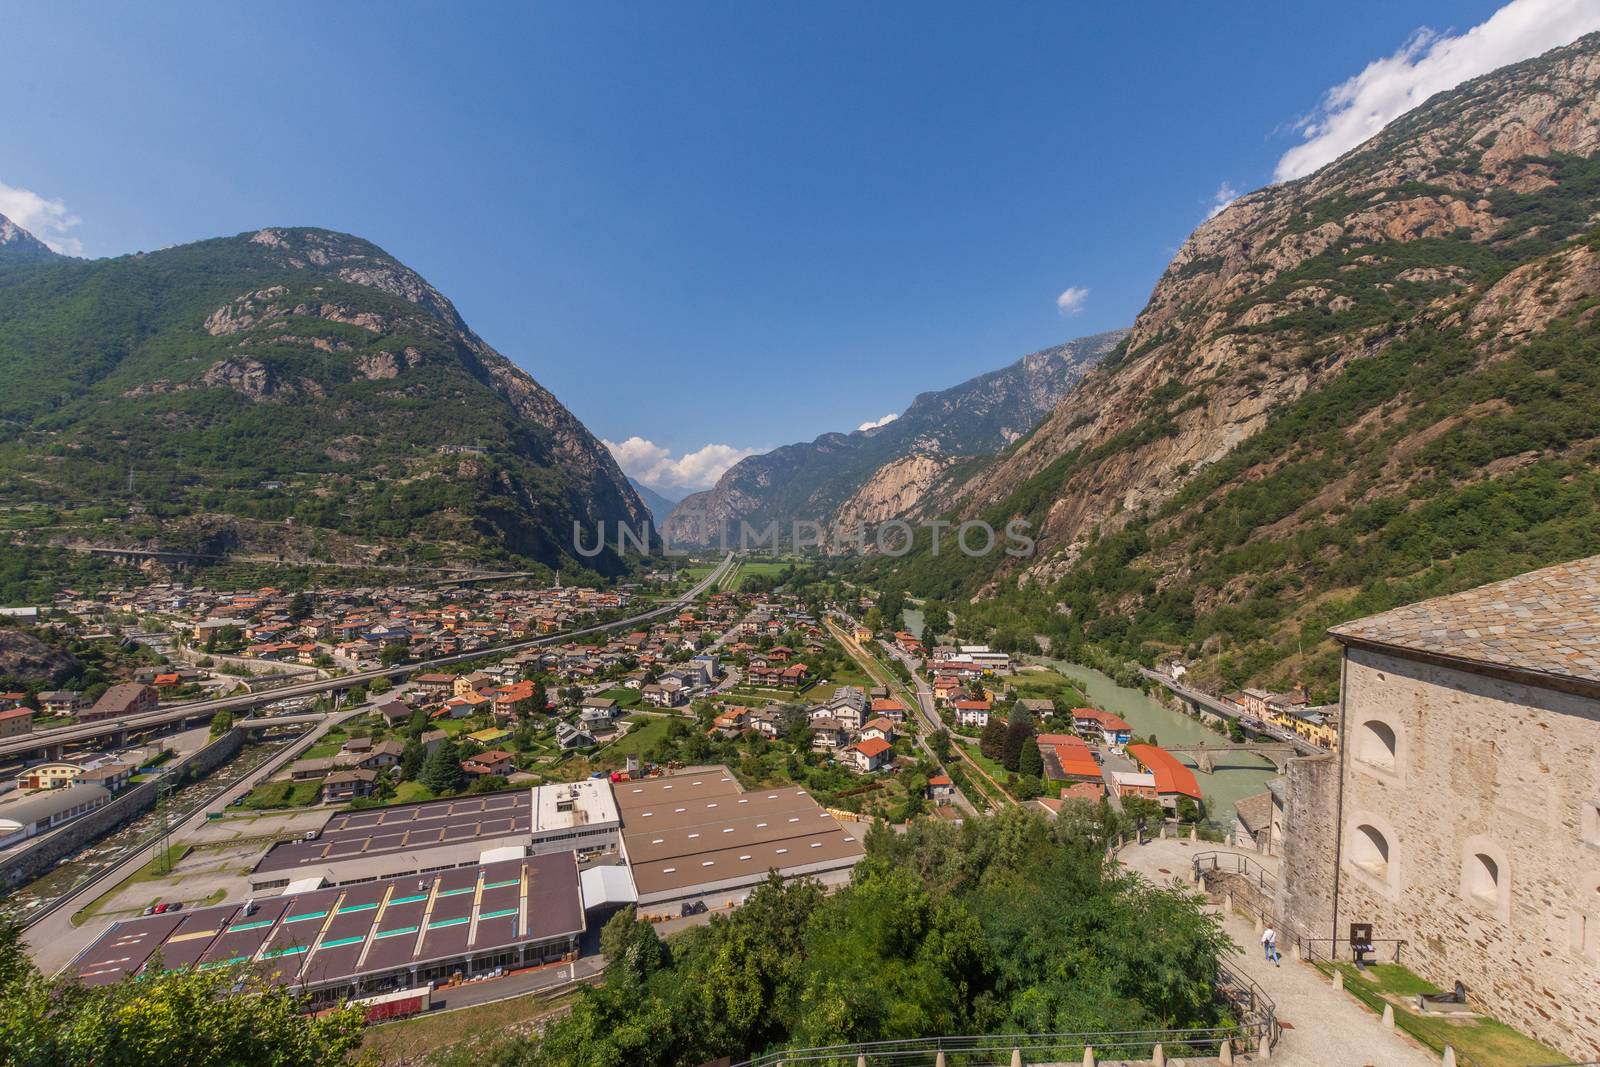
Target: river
x,y
1149,717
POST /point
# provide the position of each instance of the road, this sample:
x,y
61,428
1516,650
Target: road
x,y
1228,711
921,709
68,735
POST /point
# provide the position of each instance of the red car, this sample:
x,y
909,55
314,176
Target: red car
x,y
159,909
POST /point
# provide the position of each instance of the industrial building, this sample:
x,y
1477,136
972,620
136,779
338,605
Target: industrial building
x,y
42,812
367,938
406,839
698,837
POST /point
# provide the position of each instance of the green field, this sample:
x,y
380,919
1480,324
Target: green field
x,y
283,794
646,732
751,568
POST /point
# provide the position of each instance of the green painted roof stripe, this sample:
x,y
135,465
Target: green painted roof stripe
x,y
396,932
502,885
407,900
307,915
292,950
223,963
456,892
258,924
336,942
448,922
356,907
496,914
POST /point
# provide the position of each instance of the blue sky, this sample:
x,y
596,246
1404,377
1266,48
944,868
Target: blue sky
x,y
728,225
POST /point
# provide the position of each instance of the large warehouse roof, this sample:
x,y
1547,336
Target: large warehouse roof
x,y
329,936
356,835
700,831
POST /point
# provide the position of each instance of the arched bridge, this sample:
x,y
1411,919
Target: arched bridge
x,y
1209,757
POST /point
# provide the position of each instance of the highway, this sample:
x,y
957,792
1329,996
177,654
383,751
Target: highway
x,y
30,744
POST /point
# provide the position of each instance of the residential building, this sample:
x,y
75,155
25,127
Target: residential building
x,y
973,713
15,722
867,755
347,785
120,701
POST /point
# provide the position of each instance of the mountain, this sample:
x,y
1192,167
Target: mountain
x,y
660,506
292,391
1368,386
869,476
19,246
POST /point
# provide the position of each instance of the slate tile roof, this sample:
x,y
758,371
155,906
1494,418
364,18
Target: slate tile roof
x,y
1546,621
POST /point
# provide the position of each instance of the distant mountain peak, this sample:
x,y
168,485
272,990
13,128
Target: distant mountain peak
x,y
18,245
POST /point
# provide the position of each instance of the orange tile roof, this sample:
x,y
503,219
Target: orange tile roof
x,y
1171,775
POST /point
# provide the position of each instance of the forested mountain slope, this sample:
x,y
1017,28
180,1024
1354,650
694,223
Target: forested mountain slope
x,y
1368,386
873,475
294,391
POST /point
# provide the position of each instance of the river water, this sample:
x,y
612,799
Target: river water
x,y
1246,774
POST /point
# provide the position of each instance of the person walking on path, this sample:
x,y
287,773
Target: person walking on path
x,y
1269,945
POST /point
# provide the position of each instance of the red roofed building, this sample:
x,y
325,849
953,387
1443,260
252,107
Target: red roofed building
x,y
1067,758
1173,779
1102,726
892,710
868,755
972,713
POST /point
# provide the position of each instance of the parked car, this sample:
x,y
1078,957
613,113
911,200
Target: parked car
x,y
160,909
176,905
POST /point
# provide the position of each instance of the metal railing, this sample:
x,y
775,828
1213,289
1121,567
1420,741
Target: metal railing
x,y
1237,864
997,1050
1245,1000
1331,950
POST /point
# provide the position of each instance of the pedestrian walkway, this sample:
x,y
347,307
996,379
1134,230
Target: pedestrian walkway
x,y
1323,1027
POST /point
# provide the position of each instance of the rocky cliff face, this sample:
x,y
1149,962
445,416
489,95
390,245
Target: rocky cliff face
x,y
296,376
1308,375
1243,320
873,475
19,246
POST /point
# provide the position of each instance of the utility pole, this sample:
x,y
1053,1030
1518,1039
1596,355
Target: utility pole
x,y
163,823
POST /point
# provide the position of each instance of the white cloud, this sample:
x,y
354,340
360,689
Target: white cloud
x,y
1431,63
1225,195
48,220
657,467
886,420
1071,302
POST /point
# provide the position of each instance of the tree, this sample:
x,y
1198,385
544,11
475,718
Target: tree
x,y
442,772
380,685
939,741
992,741
393,654
221,723
411,759
1019,735
182,1017
1030,763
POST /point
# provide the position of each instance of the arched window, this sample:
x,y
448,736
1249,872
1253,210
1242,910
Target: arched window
x,y
1486,875
1370,851
1376,745
1483,878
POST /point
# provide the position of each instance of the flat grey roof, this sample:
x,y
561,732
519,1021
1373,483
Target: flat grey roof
x,y
353,835
701,830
